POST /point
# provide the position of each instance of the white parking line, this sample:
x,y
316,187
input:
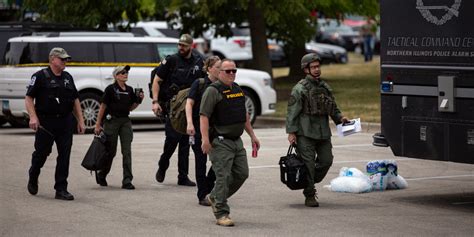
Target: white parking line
x,y
335,162
352,145
442,177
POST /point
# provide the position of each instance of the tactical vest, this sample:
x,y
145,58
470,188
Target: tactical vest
x,y
60,94
318,100
181,76
231,109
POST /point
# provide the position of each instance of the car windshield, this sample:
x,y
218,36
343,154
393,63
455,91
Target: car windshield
x,y
241,31
340,29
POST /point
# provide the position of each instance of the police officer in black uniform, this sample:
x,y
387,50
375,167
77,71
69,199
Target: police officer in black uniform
x,y
176,72
50,99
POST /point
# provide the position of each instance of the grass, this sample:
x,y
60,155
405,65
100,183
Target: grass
x,y
355,86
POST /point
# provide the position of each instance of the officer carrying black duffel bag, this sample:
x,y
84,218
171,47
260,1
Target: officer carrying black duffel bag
x,y
293,171
97,154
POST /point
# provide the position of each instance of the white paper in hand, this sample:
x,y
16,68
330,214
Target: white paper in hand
x,y
349,128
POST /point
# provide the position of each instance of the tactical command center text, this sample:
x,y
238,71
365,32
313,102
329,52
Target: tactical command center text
x,y
447,42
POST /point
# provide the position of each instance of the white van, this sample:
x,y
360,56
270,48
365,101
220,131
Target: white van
x,y
93,59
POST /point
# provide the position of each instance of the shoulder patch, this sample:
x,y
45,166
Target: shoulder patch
x,y
33,80
291,100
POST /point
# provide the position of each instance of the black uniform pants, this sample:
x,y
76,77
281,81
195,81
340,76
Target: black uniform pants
x,y
59,131
205,183
172,140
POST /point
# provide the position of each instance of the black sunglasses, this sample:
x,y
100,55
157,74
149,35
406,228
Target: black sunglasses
x,y
228,71
123,72
64,59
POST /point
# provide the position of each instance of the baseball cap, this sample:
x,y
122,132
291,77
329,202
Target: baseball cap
x,y
186,39
59,52
118,69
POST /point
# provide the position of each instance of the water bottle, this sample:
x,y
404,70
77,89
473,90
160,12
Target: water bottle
x,y
382,167
191,140
372,167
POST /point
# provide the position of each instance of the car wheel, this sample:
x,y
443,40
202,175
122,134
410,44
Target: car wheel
x,y
250,105
90,104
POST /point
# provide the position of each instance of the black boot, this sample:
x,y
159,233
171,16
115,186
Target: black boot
x,y
33,186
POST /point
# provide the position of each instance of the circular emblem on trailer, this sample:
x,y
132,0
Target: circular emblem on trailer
x,y
451,11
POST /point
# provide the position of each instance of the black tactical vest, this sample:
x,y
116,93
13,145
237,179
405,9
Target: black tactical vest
x,y
318,100
231,109
182,75
59,93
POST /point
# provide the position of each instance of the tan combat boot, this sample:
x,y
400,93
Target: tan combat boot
x,y
311,202
225,221
212,203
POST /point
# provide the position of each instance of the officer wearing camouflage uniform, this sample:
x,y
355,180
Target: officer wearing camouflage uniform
x,y
307,123
223,119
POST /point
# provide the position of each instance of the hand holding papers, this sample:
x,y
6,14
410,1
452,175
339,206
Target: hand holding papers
x,y
346,129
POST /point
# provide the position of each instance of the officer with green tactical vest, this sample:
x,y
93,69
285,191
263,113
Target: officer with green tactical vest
x,y
307,123
223,119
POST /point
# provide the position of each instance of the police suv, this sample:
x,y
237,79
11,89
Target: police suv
x,y
94,55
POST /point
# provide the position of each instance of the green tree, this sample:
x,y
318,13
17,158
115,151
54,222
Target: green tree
x,y
288,21
86,13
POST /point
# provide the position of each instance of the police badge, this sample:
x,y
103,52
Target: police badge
x,y
33,80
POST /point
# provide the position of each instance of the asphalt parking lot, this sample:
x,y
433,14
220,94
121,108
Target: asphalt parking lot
x,y
439,200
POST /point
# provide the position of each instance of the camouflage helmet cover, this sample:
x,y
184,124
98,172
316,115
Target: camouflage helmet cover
x,y
309,58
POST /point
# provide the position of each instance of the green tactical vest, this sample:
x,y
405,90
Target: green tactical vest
x,y
318,100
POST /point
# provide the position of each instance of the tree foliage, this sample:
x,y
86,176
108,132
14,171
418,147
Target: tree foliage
x,y
85,13
291,22
288,21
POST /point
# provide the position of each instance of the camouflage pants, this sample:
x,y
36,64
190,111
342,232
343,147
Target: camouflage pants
x,y
318,167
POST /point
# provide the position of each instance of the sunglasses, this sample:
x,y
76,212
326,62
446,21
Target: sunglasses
x,y
229,71
64,59
182,45
123,72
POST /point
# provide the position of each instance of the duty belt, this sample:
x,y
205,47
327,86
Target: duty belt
x,y
220,137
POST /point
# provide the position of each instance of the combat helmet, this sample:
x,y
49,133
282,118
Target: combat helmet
x,y
309,58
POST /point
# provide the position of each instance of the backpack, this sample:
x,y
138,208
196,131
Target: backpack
x,y
177,113
150,85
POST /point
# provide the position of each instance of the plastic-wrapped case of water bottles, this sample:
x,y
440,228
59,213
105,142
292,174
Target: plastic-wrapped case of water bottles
x,y
380,175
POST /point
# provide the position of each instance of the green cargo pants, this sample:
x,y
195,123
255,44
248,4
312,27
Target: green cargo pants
x,y
318,167
113,129
229,162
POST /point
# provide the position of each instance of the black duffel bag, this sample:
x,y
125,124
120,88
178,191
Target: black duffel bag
x,y
293,171
97,154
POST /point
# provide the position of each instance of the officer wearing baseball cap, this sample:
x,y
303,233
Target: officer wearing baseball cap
x,y
60,53
51,100
186,39
117,102
307,123
176,72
